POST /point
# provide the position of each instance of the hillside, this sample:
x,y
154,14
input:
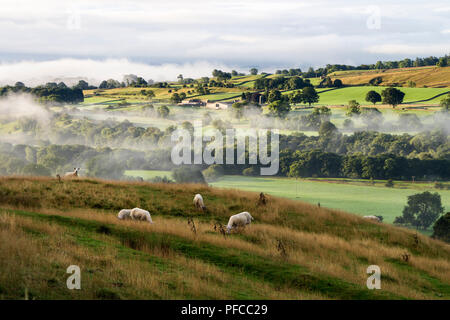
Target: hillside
x,y
292,251
431,84
433,77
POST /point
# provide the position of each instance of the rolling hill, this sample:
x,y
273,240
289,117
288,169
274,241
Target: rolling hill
x,y
433,77
293,250
431,83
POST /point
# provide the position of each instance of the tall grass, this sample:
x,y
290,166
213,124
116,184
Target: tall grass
x,y
318,244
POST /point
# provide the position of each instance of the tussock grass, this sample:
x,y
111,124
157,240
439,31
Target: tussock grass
x,y
325,252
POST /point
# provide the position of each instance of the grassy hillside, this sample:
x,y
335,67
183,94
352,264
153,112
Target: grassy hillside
x,y
358,196
422,76
412,95
292,251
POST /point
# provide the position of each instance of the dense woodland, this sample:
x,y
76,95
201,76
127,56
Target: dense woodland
x,y
107,148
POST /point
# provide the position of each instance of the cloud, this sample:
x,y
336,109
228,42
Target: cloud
x,y
405,49
252,32
38,72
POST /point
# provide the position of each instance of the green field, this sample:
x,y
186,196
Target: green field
x,y
245,83
354,197
344,95
361,200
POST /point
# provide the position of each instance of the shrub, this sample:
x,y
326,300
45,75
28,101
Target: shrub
x,y
188,175
213,172
252,171
441,229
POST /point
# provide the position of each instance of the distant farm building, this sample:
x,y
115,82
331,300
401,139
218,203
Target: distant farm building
x,y
192,103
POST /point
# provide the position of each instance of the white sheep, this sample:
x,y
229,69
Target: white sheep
x,y
140,214
198,202
73,174
124,214
240,219
374,218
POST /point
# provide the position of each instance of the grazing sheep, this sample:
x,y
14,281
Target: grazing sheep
x,y
73,174
124,214
198,202
374,218
240,219
140,214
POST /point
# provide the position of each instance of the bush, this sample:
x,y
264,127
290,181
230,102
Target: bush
x,y
441,229
213,172
188,175
252,171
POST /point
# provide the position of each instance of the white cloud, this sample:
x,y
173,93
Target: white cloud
x,y
426,49
34,73
282,33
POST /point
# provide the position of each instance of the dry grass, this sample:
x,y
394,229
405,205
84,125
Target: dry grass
x,y
432,77
103,274
327,242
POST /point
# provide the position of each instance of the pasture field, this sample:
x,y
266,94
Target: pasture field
x,y
341,96
356,196
344,95
430,82
361,199
293,250
435,77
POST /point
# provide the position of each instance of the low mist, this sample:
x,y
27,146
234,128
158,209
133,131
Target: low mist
x,y
34,73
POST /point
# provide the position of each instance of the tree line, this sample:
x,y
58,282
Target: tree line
x,y
48,93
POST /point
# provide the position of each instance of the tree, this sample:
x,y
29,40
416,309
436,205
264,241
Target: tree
x,y
379,65
103,166
175,98
150,94
253,71
422,210
296,97
442,62
279,108
337,83
310,95
83,85
274,95
163,111
188,175
327,129
445,104
373,96
353,108
392,96
441,228
213,172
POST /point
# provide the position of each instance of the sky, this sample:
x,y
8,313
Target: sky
x,y
98,39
